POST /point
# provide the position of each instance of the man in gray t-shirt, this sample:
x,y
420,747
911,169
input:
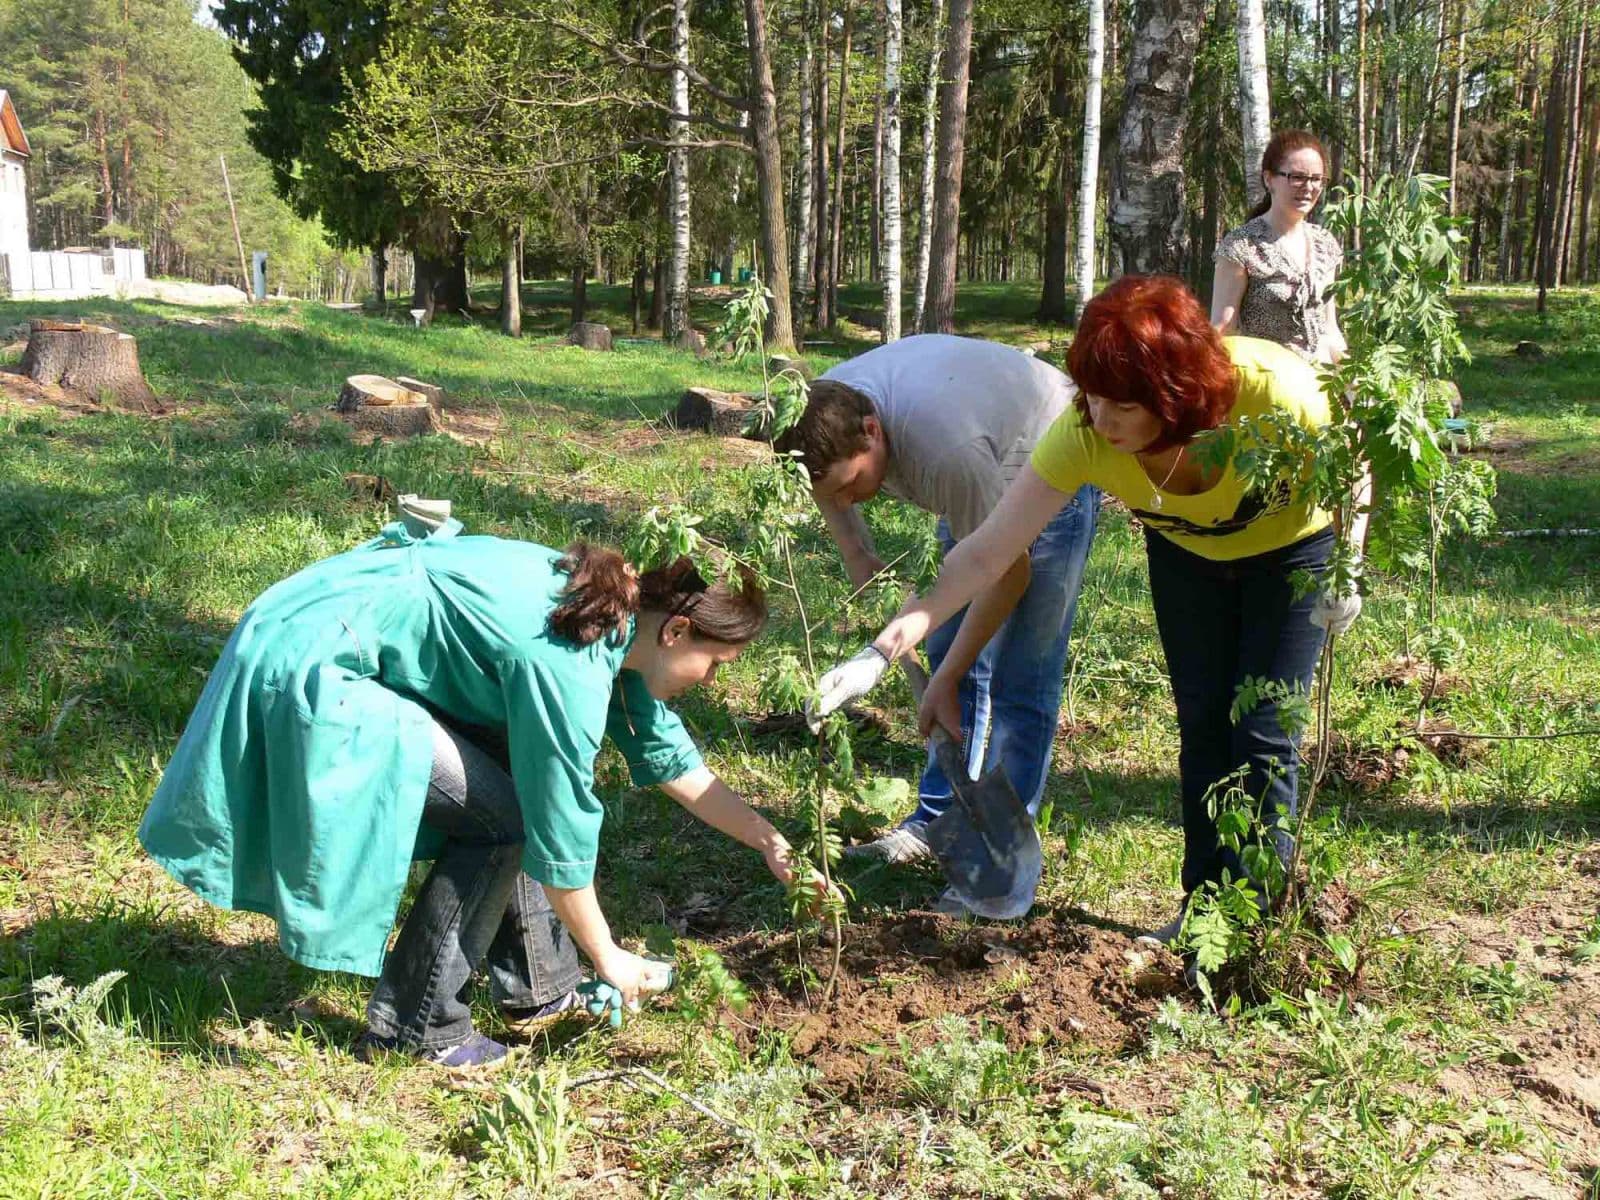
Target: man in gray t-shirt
x,y
945,423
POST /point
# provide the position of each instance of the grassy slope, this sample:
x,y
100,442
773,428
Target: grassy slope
x,y
129,545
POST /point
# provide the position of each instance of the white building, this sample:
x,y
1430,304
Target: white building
x,y
27,274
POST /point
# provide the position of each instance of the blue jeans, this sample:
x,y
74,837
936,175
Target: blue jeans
x,y
1010,697
1219,622
477,905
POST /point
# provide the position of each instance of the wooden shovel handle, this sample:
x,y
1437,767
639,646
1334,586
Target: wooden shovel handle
x,y
945,748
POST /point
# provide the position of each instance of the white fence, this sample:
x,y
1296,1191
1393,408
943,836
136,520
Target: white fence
x,y
71,274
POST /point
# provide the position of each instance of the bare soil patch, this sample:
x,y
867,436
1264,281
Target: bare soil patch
x,y
14,385
1051,980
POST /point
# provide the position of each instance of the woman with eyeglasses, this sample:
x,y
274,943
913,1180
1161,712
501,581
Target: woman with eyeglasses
x,y
1275,272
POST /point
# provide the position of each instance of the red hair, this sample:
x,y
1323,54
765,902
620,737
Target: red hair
x,y
1145,340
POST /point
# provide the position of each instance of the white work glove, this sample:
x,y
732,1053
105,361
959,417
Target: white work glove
x,y
1337,612
848,681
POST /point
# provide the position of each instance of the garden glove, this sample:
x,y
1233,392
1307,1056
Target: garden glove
x,y
602,1001
1336,612
422,516
848,681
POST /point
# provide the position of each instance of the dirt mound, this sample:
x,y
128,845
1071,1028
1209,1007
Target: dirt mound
x,y
1050,980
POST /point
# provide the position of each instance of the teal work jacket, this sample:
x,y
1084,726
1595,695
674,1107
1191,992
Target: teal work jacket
x,y
297,787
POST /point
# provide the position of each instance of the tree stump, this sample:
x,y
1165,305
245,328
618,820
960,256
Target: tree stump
x,y
693,341
93,359
432,391
384,406
710,411
590,335
1528,350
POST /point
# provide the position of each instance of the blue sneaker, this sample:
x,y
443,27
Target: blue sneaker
x,y
476,1053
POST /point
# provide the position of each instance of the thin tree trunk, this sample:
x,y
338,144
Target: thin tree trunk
x,y
1336,92
1513,155
769,180
1361,93
1569,184
1549,170
580,290
677,314
1255,107
1586,206
1457,90
875,232
1089,168
510,288
379,270
836,218
1430,90
1053,306
930,116
956,70
822,254
1391,88
1147,194
636,292
892,228
805,214
658,293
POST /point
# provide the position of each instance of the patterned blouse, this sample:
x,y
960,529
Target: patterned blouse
x,y
1286,300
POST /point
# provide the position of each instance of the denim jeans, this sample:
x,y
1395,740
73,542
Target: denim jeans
x,y
1219,622
1010,697
476,904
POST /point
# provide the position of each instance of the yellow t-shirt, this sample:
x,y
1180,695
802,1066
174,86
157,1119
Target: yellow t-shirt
x,y
1225,521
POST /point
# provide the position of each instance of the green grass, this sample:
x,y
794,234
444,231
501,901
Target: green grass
x,y
130,543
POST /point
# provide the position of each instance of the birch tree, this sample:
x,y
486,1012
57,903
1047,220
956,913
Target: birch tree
x,y
1255,107
891,170
930,115
677,315
805,222
1146,219
1089,172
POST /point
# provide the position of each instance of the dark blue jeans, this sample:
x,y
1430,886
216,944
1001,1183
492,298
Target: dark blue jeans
x,y
1012,694
477,905
1219,622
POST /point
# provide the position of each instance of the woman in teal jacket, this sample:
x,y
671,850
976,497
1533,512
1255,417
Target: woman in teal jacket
x,y
344,733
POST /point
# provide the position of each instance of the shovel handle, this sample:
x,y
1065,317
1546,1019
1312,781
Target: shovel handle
x,y
945,748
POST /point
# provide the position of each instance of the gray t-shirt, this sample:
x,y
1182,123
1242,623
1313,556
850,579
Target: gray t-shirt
x,y
962,416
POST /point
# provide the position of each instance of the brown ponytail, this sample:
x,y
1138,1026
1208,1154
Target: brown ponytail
x,y
1284,143
603,592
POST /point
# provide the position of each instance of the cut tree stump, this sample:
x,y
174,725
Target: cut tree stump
x,y
590,335
693,341
384,406
93,359
432,391
710,411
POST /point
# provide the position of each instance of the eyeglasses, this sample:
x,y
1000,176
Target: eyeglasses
x,y
1299,180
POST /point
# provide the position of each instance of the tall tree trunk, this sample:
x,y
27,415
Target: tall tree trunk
x,y
1361,94
1458,75
822,254
930,121
1586,205
941,309
1089,168
1053,307
769,180
805,214
658,293
835,243
1391,87
1549,172
636,292
892,229
677,314
380,264
1147,204
1569,181
1513,156
875,231
580,289
1255,107
1430,90
510,287
107,197
1336,92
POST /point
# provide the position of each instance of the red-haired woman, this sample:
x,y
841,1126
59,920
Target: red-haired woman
x,y
1275,272
444,697
1153,374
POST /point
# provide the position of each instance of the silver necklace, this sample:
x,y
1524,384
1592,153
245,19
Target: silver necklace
x,y
1161,487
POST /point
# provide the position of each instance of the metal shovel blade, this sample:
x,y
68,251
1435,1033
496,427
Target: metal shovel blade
x,y
986,840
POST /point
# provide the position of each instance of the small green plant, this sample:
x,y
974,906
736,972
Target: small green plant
x,y
75,1012
706,986
962,1070
527,1134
